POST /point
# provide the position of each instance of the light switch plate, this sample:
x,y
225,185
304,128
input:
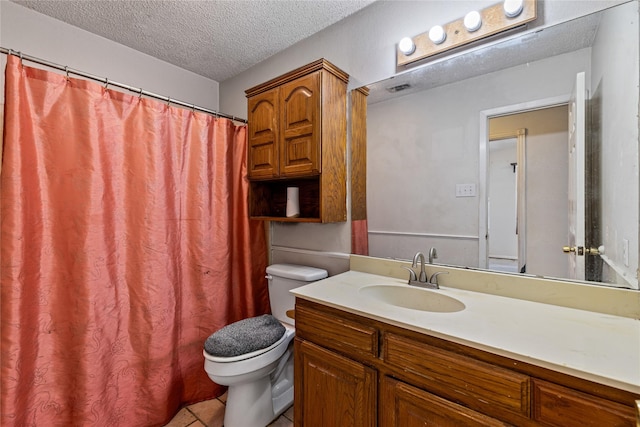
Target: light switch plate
x,y
465,190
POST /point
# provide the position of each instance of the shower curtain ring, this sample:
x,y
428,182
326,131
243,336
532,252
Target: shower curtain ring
x,y
66,70
140,94
193,108
168,101
20,54
106,83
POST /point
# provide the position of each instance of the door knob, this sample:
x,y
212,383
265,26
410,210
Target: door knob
x,y
581,250
594,251
578,250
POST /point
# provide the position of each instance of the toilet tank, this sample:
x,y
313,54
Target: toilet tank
x,y
284,277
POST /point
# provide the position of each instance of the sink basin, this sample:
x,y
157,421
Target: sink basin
x,y
413,298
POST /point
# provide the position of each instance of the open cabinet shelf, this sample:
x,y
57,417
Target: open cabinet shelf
x,y
268,199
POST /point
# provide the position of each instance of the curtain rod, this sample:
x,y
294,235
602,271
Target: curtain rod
x,y
108,82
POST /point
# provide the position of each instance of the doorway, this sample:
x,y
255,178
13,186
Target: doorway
x,y
537,217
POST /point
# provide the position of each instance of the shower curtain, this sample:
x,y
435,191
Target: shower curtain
x,y
125,242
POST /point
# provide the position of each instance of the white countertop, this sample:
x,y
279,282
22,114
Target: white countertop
x,y
594,346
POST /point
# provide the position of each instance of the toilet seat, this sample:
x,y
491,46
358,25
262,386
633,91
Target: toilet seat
x,y
287,333
247,365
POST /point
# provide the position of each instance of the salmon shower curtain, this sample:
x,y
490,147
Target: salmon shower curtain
x,y
125,243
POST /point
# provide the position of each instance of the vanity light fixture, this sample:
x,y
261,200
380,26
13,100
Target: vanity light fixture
x,y
474,26
472,21
407,46
513,8
437,34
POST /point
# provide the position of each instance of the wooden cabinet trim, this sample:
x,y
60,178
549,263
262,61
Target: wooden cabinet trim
x,y
359,154
320,64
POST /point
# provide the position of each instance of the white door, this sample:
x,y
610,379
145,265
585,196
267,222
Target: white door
x,y
577,126
502,207
506,204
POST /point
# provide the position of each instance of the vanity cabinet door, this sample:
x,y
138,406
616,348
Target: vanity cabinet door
x,y
407,406
555,405
332,390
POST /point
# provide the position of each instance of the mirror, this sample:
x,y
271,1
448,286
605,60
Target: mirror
x,y
434,131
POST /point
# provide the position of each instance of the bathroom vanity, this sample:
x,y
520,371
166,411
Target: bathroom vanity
x,y
364,359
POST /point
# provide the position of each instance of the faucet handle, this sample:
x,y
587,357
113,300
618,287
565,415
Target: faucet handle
x,y
412,274
434,277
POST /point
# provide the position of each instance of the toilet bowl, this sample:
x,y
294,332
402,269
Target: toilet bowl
x,y
260,380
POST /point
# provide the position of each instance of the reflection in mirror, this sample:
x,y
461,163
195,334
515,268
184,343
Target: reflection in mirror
x,y
528,150
430,141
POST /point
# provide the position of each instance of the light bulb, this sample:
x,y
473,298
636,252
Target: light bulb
x,y
472,21
437,34
407,46
513,8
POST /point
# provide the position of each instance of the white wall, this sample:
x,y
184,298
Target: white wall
x,y
43,37
615,52
363,45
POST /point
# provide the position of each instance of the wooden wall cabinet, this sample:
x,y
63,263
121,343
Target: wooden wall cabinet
x,y
297,138
355,371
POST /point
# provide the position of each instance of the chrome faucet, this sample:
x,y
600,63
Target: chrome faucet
x,y
423,274
433,254
423,280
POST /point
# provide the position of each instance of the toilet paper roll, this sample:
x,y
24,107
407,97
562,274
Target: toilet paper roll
x,y
293,202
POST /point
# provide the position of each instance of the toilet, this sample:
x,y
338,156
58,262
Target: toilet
x,y
254,357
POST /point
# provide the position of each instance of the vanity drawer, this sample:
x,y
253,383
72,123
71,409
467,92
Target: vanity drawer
x,y
405,405
477,384
337,333
556,405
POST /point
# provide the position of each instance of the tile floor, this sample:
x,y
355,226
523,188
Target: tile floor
x,y
210,413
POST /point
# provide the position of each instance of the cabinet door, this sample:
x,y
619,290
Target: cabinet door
x,y
332,390
300,145
263,135
407,406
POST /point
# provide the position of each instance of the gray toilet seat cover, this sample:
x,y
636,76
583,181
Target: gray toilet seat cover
x,y
244,336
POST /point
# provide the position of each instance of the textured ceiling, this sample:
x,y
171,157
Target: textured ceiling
x,y
217,39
